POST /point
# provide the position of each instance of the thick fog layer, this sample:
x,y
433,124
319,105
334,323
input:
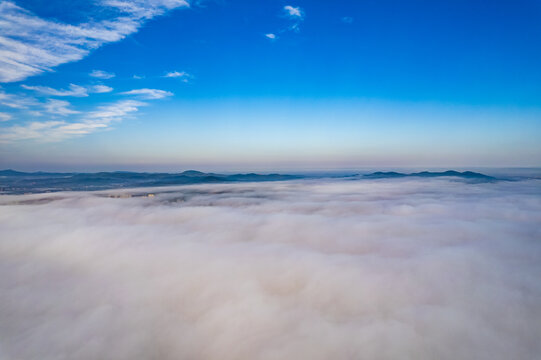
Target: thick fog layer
x,y
383,269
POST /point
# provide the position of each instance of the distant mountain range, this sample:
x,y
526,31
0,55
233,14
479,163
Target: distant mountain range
x,y
429,174
16,182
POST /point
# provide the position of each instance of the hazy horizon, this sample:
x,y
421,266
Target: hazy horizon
x,y
294,170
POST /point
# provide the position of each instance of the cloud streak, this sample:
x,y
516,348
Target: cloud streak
x,y
177,74
57,130
294,15
74,90
5,116
148,94
423,269
59,107
100,74
100,89
16,101
30,45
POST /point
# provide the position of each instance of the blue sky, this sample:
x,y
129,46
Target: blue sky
x,y
171,84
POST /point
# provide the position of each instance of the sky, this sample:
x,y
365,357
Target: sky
x,y
160,85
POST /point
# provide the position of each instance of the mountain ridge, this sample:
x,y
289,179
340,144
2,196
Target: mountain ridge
x,y
18,182
448,173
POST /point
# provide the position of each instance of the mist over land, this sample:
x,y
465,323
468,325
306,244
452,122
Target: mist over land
x,y
320,268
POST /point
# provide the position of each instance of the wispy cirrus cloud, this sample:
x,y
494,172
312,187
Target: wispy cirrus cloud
x,y
115,111
99,89
294,12
74,90
182,75
16,101
59,107
77,123
145,9
294,16
5,116
100,74
30,45
148,94
28,131
57,130
49,131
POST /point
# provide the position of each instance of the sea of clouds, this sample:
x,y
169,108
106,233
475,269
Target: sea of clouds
x,y
309,269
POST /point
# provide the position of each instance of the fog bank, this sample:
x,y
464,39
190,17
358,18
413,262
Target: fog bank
x,y
321,269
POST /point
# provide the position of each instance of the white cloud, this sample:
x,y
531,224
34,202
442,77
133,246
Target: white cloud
x,y
30,45
174,74
101,89
149,94
59,107
295,15
49,131
402,269
271,36
145,9
35,113
138,77
293,11
54,130
85,123
102,74
32,130
347,19
74,90
16,101
184,76
4,116
115,111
